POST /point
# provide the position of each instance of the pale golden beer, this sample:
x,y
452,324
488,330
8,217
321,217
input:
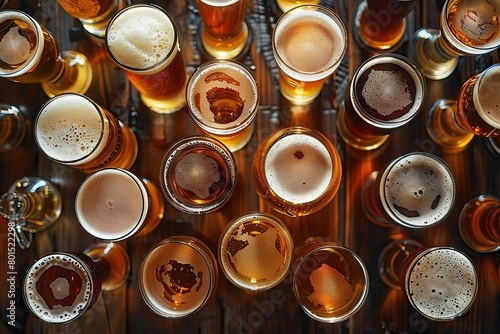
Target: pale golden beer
x,y
223,99
114,204
29,54
152,61
255,251
309,42
73,130
224,32
286,5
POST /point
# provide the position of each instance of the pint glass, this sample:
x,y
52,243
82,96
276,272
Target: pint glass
x,y
416,190
255,251
197,174
309,43
143,40
114,204
297,171
73,130
178,276
286,5
223,99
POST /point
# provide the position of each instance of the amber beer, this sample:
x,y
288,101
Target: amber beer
x,y
255,251
143,40
224,32
297,171
223,99
197,174
60,287
297,37
115,204
286,5
441,283
178,276
73,130
29,54
113,264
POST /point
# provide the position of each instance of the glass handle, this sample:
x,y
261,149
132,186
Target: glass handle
x,y
23,238
12,207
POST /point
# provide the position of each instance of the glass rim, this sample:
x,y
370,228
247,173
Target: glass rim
x,y
477,103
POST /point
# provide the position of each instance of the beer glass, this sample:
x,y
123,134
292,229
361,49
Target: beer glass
x,y
452,124
12,127
224,33
29,54
223,99
468,27
297,171
255,251
479,223
113,264
114,204
391,259
94,15
385,93
178,276
309,43
329,281
73,130
439,282
197,174
143,41
416,190
379,25
31,205
286,5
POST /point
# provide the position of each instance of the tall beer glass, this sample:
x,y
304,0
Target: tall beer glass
x,y
416,190
93,14
29,54
441,283
224,32
197,174
143,40
468,27
223,99
178,276
73,130
452,124
479,223
115,204
386,92
309,43
255,251
330,281
297,171
379,25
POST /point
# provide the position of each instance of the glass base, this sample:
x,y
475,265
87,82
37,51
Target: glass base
x,y
391,259
371,214
365,143
234,48
112,262
76,76
442,128
13,127
425,52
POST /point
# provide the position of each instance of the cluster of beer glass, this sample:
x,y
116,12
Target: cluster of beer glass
x,y
296,170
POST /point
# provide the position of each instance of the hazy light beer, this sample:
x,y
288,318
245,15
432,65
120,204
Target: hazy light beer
x,y
309,43
114,204
60,287
178,276
286,5
197,174
440,282
224,32
113,264
297,171
12,127
143,40
386,92
255,251
73,130
223,99
479,223
29,54
416,190
329,281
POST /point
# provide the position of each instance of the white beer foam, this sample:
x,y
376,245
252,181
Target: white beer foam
x,y
219,3
442,283
69,129
487,98
197,172
298,180
331,289
14,48
112,204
